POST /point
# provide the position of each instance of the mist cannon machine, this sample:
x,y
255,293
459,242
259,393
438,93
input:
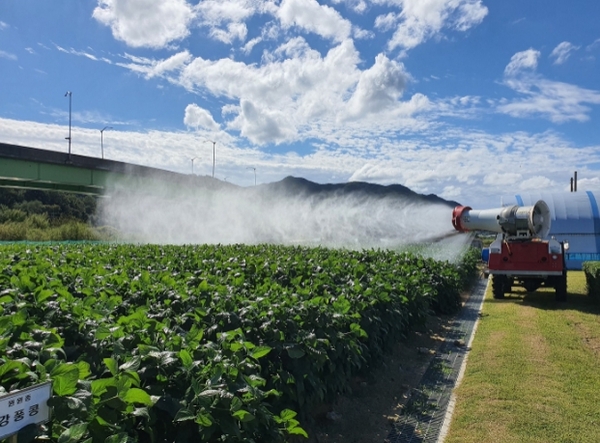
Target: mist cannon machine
x,y
514,221
520,255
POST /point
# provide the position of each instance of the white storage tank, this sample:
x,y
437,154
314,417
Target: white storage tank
x,y
575,219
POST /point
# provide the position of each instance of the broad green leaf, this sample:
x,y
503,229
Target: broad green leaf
x,y
102,333
73,434
12,365
137,395
112,365
203,287
185,414
100,385
204,420
6,299
64,379
121,437
132,364
186,358
298,431
243,415
75,404
43,295
209,393
287,414
19,318
260,351
84,369
236,404
295,352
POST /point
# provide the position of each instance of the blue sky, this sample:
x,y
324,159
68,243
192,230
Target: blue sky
x,y
466,99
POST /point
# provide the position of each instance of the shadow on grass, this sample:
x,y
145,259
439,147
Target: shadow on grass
x,y
545,299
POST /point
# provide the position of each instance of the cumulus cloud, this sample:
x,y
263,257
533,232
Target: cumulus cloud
x,y
146,23
521,61
260,125
562,52
311,16
358,6
591,184
197,117
420,20
226,18
536,183
378,88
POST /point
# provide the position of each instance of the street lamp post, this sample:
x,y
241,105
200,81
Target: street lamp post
x,y
193,164
70,94
254,169
102,138
214,150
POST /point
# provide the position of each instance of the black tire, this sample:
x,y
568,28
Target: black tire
x,y
499,286
561,288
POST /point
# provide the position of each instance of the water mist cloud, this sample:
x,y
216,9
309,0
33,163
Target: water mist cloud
x,y
262,215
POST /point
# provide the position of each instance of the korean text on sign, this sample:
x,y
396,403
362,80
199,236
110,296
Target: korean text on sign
x,y
21,408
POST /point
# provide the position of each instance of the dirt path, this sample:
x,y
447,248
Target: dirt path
x,y
367,415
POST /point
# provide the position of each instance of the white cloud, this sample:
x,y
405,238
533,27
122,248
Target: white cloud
x,y
562,52
226,18
556,101
525,60
507,179
75,52
262,125
379,88
537,183
197,117
146,23
7,55
310,16
358,6
589,184
594,45
451,192
156,68
234,31
430,162
420,20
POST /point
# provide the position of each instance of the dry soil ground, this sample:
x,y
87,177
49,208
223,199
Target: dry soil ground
x,y
367,415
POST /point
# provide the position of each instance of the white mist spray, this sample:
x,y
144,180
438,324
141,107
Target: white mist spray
x,y
262,215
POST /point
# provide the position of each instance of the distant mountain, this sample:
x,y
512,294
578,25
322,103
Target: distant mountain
x,y
291,186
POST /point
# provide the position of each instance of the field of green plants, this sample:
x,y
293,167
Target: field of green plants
x,y
147,343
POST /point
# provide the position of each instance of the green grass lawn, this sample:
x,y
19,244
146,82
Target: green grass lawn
x,y
533,374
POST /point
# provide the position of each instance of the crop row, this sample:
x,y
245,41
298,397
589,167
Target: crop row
x,y
204,343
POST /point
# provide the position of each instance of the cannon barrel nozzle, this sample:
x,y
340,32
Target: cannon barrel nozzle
x,y
518,221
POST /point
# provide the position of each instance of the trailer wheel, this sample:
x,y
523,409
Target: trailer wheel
x,y
561,288
499,284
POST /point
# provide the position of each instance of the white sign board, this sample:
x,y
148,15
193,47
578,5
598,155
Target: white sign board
x,y
21,408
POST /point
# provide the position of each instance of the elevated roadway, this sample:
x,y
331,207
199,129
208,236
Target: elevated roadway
x,y
31,168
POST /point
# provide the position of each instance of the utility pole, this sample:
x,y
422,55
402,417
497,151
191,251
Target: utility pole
x,y
102,138
70,94
214,152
